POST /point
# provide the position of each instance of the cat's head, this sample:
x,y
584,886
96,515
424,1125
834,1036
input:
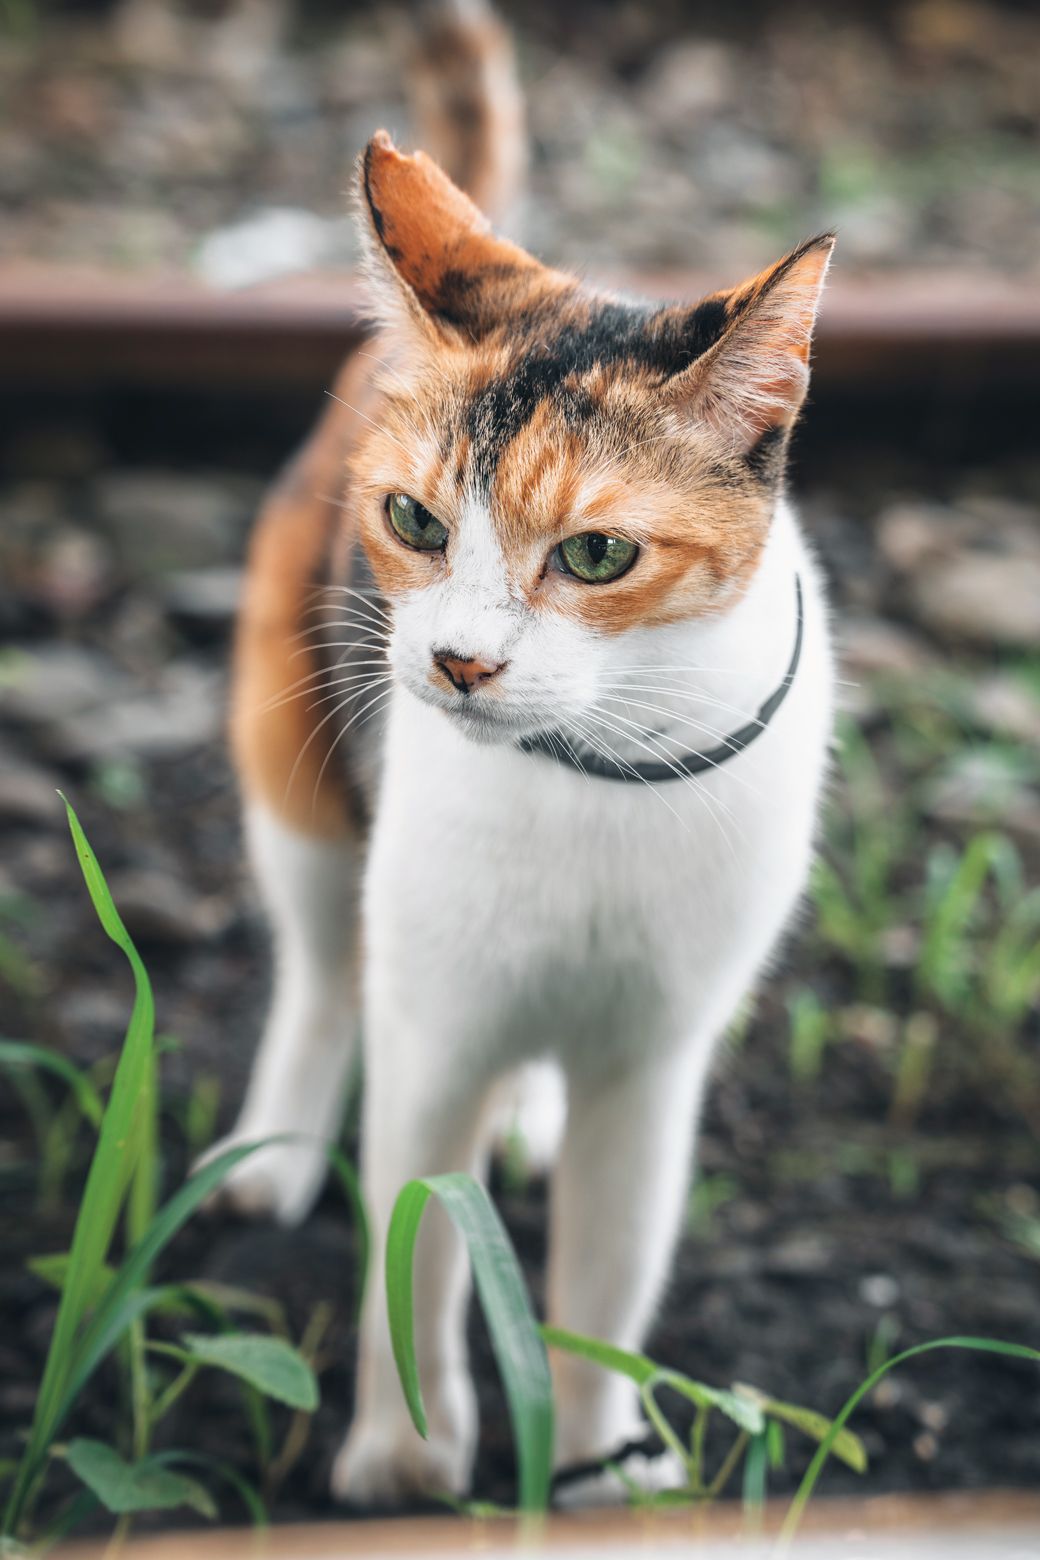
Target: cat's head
x,y
553,471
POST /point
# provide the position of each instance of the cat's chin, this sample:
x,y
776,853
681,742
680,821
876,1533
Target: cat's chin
x,y
483,729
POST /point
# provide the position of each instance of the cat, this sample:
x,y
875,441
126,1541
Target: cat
x,y
531,710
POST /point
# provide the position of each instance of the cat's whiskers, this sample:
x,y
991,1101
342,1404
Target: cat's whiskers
x,y
723,739
661,755
307,686
358,691
372,424
371,601
372,706
692,695
607,751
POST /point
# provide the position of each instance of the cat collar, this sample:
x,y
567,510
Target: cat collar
x,y
552,745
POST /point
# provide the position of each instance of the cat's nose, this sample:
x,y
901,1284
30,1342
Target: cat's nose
x,y
465,672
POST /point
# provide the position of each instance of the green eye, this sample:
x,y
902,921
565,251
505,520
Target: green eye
x,y
595,557
414,524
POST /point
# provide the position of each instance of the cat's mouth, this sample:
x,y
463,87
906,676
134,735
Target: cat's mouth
x,y
485,722
482,719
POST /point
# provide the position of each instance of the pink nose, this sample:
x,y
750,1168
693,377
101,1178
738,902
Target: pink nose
x,y
465,674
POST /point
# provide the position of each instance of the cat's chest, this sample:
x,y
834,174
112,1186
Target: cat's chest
x,y
551,870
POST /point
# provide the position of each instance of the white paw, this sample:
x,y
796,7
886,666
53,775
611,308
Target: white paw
x,y
280,1183
641,1474
389,1464
385,1461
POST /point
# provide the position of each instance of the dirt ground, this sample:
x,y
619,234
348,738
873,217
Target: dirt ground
x,y
841,1211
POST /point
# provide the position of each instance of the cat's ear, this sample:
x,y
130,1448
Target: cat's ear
x,y
434,259
753,379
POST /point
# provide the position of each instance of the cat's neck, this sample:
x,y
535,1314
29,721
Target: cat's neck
x,y
687,687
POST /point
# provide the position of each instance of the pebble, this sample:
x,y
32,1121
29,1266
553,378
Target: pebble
x,y
56,682
208,597
986,599
159,521
880,1290
184,710
160,908
27,791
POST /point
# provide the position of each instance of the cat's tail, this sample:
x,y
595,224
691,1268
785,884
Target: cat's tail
x,y
469,110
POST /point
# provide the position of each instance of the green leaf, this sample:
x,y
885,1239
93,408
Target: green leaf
x,y
269,1364
123,1487
249,1497
123,1130
644,1372
518,1348
624,1363
54,1267
21,1053
847,1446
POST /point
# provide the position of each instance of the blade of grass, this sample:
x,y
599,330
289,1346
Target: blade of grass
x,y
797,1507
119,1143
519,1350
22,1053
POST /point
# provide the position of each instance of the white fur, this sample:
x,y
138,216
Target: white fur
x,y
515,910
302,1068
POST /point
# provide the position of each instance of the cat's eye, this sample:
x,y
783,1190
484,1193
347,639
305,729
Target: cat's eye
x,y
595,557
414,524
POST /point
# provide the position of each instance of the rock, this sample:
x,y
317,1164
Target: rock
x,y
157,907
272,243
986,599
879,1289
27,791
873,646
184,710
74,574
1004,704
689,82
159,521
912,534
983,787
206,594
53,682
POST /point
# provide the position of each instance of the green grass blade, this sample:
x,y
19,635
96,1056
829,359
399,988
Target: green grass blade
x,y
743,1411
125,1299
119,1142
249,1497
348,1180
519,1350
21,1053
846,1446
979,1345
624,1363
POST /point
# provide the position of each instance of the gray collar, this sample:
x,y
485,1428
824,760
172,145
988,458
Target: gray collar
x,y
553,745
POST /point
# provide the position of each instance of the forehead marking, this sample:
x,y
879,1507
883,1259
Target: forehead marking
x,y
661,341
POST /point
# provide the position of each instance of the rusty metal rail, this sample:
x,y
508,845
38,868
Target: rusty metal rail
x,y
64,327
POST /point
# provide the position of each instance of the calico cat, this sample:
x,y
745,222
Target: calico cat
x,y
532,703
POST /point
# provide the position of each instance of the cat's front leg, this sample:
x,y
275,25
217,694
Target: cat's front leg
x,y
309,887
618,1197
421,1117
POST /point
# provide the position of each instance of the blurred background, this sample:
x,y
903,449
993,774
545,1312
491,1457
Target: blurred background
x,y
175,291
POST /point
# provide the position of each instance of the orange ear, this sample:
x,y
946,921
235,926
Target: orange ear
x,y
440,247
755,376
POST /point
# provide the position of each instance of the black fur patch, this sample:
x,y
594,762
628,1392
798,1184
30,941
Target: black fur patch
x,y
663,341
765,459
